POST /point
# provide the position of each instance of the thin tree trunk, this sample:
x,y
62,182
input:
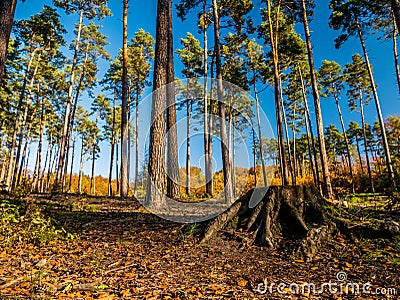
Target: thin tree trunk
x,y
294,181
113,134
188,118
72,119
287,137
308,117
359,155
23,126
396,54
17,121
259,135
38,164
207,134
371,183
210,183
317,103
378,108
173,187
117,169
7,10
63,142
136,143
277,92
72,163
81,169
346,139
310,155
124,121
226,158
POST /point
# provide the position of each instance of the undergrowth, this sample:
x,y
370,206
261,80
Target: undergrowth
x,y
22,222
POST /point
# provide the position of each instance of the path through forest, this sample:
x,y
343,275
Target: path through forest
x,y
117,250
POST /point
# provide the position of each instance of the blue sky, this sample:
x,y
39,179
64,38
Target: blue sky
x,y
143,15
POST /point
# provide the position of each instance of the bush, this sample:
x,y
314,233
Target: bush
x,y
26,223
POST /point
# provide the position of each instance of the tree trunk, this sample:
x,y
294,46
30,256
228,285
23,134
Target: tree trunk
x,y
395,4
317,103
38,164
82,160
277,93
287,136
17,121
346,139
188,118
136,144
72,120
294,181
7,10
359,154
371,183
210,183
124,110
314,164
207,133
156,178
396,54
173,186
63,142
23,125
264,171
113,134
378,110
72,163
226,158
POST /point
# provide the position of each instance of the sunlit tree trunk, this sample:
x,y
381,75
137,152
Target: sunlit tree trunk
x,y
226,158
317,104
156,168
173,189
124,110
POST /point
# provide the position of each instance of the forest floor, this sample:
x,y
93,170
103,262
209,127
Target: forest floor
x,y
114,249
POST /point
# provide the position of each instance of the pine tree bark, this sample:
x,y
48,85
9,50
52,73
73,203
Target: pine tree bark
x,y
317,104
124,110
207,134
188,119
173,187
7,10
156,168
226,158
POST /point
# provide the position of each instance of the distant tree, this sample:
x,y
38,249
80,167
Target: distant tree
x,y
332,80
354,18
359,94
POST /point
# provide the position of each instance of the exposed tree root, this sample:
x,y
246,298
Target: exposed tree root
x,y
282,212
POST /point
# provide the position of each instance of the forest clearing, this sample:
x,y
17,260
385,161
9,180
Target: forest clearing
x,y
199,149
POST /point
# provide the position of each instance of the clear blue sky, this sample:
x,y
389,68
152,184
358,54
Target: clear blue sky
x,y
142,14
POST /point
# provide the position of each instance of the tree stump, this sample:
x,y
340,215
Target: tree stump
x,y
271,214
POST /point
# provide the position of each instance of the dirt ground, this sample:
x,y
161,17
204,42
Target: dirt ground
x,y
117,250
